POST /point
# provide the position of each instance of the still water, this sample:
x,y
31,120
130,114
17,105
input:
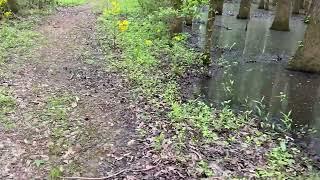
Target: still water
x,y
261,55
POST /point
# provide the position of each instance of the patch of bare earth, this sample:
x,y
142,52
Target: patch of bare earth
x,y
97,139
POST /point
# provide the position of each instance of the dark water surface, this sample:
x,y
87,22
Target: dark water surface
x,y
261,55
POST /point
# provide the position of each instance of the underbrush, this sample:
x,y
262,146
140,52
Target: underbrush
x,y
16,38
141,48
7,106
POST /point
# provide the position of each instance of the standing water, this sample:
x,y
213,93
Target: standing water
x,y
261,55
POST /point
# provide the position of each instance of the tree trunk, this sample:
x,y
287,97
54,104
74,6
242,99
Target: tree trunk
x,y
281,19
209,32
261,4
301,4
274,2
296,7
13,6
267,5
307,56
219,9
244,11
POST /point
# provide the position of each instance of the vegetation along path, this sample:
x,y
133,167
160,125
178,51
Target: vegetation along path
x,y
70,114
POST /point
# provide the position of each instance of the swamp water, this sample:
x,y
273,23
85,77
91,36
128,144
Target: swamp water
x,y
257,59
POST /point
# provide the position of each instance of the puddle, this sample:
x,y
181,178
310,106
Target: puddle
x,y
261,55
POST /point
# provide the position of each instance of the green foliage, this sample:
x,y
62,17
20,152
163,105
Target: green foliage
x,y
55,174
16,37
7,106
204,169
279,159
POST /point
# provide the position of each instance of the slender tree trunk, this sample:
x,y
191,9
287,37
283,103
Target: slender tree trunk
x,y
209,32
296,7
267,5
301,4
281,19
244,11
219,9
13,6
307,56
274,2
261,4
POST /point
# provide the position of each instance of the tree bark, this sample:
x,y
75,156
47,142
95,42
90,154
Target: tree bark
x,y
261,4
281,19
209,32
13,6
244,11
296,7
267,5
219,8
307,56
301,4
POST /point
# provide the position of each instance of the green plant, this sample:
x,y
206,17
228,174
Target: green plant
x,y
55,173
204,169
158,141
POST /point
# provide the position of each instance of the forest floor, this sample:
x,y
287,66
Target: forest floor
x,y
70,114
65,111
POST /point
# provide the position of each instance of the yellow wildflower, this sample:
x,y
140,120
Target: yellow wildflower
x,y
7,14
123,25
3,2
148,42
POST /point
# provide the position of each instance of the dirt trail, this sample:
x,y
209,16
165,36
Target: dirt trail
x,y
98,134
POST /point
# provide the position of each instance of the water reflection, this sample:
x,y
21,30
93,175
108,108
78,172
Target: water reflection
x,y
264,78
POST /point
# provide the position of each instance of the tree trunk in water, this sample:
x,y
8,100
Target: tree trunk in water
x,y
296,7
281,19
13,6
219,9
274,2
209,32
266,7
301,4
244,11
307,57
261,4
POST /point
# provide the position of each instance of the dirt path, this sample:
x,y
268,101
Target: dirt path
x,y
71,113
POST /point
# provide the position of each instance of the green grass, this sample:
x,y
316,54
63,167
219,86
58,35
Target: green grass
x,y
70,2
7,106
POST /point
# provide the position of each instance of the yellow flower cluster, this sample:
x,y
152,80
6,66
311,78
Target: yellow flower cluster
x,y
114,9
123,25
3,3
7,14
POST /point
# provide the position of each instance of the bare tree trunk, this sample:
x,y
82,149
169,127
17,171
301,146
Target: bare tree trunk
x,y
13,6
307,56
281,19
274,2
267,5
219,9
209,32
244,11
296,7
261,4
301,4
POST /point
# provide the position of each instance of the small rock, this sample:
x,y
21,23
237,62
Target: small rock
x,y
131,142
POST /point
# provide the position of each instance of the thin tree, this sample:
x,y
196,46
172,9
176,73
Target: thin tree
x,y
244,11
261,4
281,19
307,55
296,7
267,5
209,33
219,8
